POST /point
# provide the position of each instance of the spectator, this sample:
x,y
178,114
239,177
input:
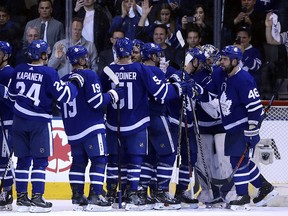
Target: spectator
x,y
164,17
128,19
58,59
51,30
193,40
247,16
9,31
32,33
108,56
95,23
251,59
199,20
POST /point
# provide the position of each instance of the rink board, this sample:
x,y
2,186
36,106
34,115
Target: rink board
x,y
57,177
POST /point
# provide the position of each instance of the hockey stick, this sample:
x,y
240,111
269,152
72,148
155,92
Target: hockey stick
x,y
229,179
115,80
10,155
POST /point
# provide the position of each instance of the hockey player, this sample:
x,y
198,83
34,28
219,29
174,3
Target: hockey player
x,y
32,88
211,160
161,151
241,111
136,53
187,136
87,140
134,118
6,116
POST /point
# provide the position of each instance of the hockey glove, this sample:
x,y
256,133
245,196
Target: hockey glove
x,y
77,79
252,135
181,88
194,90
116,94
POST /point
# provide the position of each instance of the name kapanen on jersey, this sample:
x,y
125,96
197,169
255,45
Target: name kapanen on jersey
x,y
30,76
126,75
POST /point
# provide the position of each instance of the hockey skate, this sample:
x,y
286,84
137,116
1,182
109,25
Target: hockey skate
x,y
97,203
23,202
265,194
184,197
134,201
79,202
149,199
216,203
165,201
6,200
39,205
242,202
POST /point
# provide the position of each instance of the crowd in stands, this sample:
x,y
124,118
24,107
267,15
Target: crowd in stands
x,y
150,21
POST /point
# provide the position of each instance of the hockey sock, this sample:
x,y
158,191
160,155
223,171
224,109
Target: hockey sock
x,y
183,178
133,171
38,175
147,171
164,171
8,180
241,177
22,173
96,173
255,179
77,173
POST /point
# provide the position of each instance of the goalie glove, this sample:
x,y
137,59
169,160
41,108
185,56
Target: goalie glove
x,y
77,79
252,135
116,94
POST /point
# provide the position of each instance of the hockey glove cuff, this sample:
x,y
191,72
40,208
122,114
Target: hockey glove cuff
x,y
252,135
77,79
116,94
194,90
181,88
3,92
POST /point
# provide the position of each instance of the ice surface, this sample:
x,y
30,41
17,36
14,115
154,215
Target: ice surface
x,y
64,207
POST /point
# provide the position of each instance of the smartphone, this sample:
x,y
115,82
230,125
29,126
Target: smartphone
x,y
191,19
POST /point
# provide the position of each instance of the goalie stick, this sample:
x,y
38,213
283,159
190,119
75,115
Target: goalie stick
x,y
226,182
115,80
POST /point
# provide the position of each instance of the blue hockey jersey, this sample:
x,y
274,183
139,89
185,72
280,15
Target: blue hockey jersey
x,y
137,80
5,111
208,108
84,117
239,99
33,88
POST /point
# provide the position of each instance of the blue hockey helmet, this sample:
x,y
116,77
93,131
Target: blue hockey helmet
x,y
36,48
197,53
233,52
75,52
211,51
123,47
5,48
138,43
148,49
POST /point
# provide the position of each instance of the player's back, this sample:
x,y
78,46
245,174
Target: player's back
x,y
32,88
134,106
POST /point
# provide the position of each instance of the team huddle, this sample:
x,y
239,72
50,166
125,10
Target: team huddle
x,y
141,121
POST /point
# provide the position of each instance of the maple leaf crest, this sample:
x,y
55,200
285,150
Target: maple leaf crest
x,y
225,104
60,153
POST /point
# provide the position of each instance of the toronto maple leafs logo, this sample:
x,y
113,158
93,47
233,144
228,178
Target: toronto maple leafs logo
x,y
211,107
225,104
